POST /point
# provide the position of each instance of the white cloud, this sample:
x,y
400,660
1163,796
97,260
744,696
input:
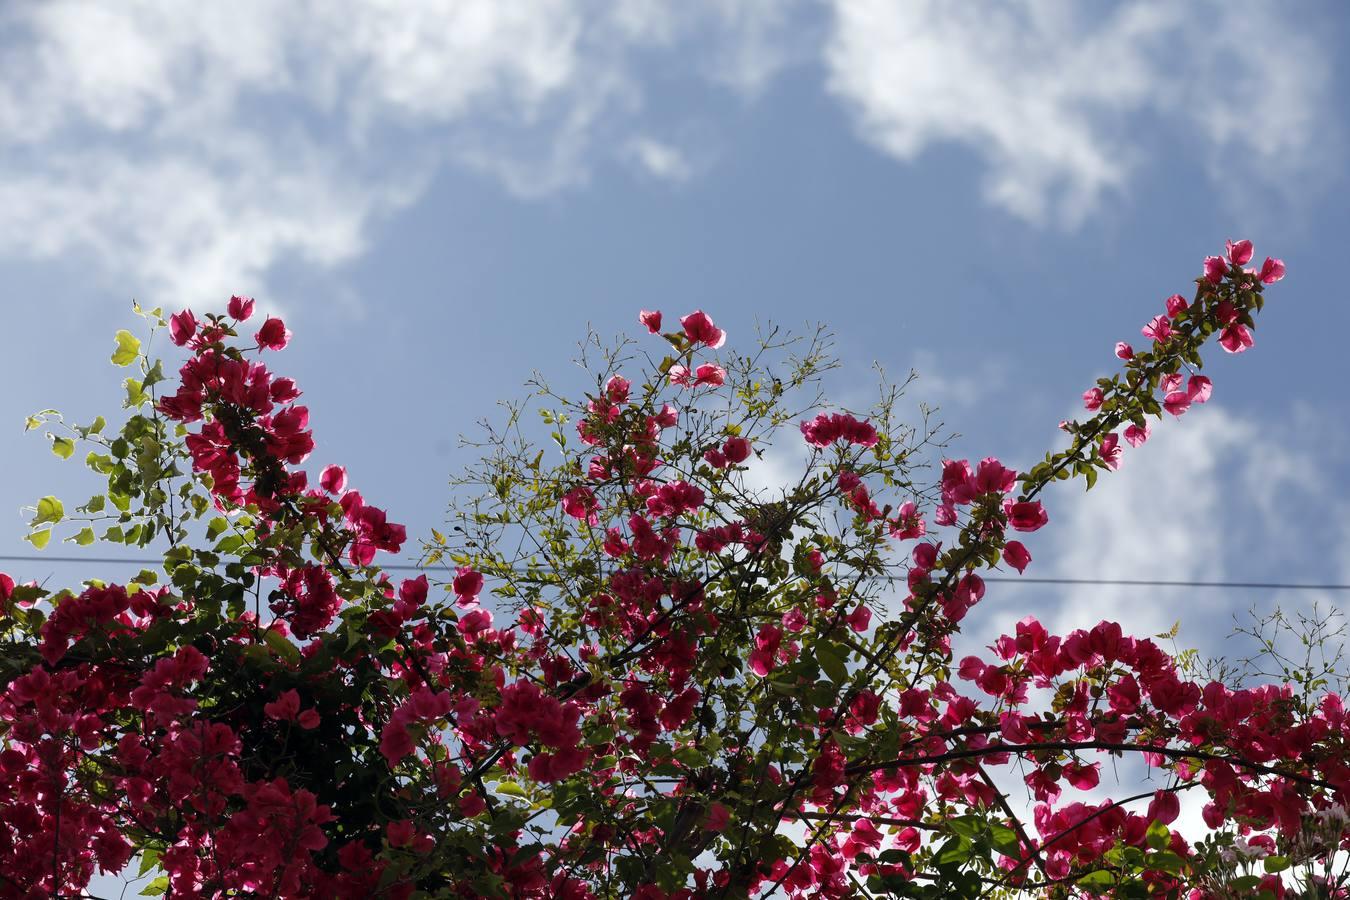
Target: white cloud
x,y
938,388
658,159
1048,93
189,155
1210,497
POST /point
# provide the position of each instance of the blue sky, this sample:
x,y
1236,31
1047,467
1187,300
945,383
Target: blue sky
x,y
440,197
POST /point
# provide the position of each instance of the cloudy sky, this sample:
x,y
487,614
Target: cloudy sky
x,y
440,197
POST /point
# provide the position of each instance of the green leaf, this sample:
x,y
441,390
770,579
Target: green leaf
x,y
1099,879
39,539
281,646
510,789
1276,863
831,662
1167,861
128,348
63,447
156,888
149,859
955,850
49,509
965,826
690,756
85,537
1005,840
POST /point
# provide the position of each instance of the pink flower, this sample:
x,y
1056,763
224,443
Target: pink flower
x,y
467,585
652,319
1013,727
182,327
859,619
580,503
1158,328
1092,399
718,817
333,479
1110,451
1027,515
1177,402
399,833
1236,338
825,429
971,668
273,334
1272,270
1164,807
1083,777
680,375
1124,350
1016,555
1169,383
616,389
1135,436
285,707
711,375
701,330
991,476
1176,305
908,524
1239,252
736,449
240,308
284,390
715,458
1199,388
1215,268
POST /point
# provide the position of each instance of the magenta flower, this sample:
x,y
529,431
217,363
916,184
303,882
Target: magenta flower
x,y
1236,339
1215,269
1016,555
1158,328
240,308
1239,252
699,328
1272,270
1111,451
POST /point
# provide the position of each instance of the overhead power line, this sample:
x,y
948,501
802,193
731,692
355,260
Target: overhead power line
x,y
1004,579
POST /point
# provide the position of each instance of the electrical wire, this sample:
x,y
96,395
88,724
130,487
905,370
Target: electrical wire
x,y
1113,582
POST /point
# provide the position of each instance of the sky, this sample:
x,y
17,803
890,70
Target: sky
x,y
440,198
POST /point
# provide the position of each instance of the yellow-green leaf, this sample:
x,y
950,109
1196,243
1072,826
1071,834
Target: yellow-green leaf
x,y
49,509
128,348
39,539
63,447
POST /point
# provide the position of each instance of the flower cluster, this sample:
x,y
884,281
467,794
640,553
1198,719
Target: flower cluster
x,y
673,665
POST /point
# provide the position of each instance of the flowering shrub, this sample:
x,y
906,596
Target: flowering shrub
x,y
641,677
